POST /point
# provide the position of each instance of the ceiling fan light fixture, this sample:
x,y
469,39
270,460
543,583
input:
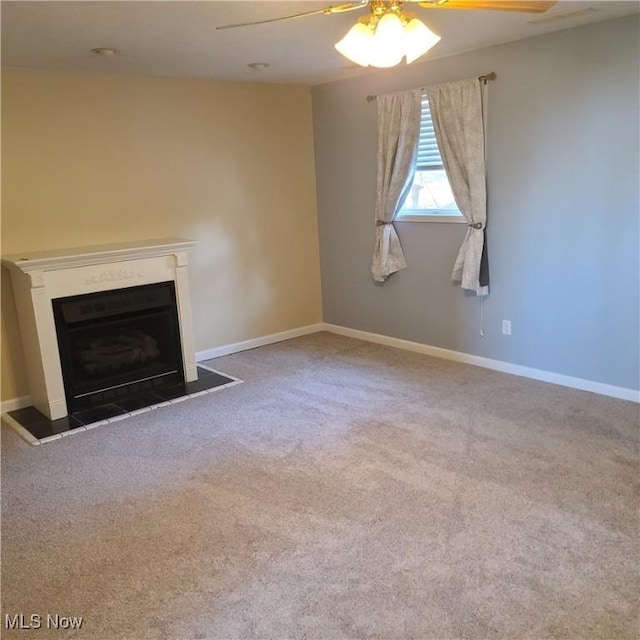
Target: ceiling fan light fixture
x,y
357,44
386,37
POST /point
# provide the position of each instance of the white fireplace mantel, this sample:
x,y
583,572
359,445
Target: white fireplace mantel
x,y
40,277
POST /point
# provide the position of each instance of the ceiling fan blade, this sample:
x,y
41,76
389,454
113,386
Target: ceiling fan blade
x,y
525,6
338,8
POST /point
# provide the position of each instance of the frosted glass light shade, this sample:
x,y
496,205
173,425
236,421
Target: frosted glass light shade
x,y
357,44
418,39
388,42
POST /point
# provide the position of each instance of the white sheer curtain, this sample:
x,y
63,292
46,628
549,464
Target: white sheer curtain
x,y
456,110
398,133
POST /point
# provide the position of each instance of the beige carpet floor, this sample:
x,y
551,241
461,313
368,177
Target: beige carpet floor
x,y
345,490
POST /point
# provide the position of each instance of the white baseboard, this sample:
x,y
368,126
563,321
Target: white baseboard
x,y
228,349
621,393
497,365
15,403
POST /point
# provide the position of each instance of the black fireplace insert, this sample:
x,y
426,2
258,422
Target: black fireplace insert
x,y
116,344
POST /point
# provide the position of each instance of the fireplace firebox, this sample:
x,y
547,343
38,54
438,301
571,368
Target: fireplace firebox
x,y
118,343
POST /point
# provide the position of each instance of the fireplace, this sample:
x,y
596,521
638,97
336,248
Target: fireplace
x,y
116,344
99,323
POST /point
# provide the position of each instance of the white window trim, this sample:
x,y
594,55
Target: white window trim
x,y
413,215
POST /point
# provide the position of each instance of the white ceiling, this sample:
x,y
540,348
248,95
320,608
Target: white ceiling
x,y
179,38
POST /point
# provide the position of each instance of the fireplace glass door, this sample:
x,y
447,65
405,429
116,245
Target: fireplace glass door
x,y
115,344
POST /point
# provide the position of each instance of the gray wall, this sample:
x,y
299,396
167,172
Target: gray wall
x,y
563,135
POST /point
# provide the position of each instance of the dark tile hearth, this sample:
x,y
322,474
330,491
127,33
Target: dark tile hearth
x,y
42,429
101,412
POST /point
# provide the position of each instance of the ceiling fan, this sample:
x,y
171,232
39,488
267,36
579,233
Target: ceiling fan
x,y
389,33
524,6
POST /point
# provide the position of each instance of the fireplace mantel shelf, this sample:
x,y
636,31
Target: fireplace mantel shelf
x,y
31,261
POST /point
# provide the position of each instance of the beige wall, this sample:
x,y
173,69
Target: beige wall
x,y
92,159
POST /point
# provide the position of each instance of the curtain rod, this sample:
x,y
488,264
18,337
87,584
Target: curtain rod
x,y
485,79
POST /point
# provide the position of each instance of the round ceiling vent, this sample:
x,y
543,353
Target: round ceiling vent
x,y
104,51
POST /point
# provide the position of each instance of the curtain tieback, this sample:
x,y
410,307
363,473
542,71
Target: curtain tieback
x,y
475,225
382,223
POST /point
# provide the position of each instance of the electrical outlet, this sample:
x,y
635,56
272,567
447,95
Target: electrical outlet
x,y
506,327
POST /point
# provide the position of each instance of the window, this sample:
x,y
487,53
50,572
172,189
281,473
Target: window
x,y
430,198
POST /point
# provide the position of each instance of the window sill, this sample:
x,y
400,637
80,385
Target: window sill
x,y
428,218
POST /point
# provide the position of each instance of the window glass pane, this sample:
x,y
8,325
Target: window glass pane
x,y
431,190
430,193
